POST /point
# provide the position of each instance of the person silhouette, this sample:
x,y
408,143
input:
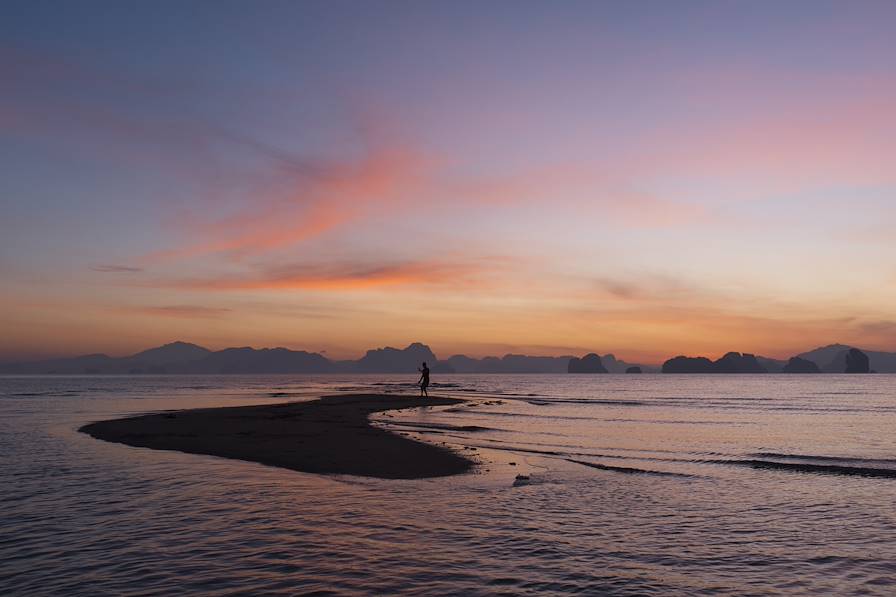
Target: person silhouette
x,y
424,380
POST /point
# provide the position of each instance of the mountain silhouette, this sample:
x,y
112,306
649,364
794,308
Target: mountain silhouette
x,y
183,357
187,358
264,360
835,358
509,363
590,363
461,363
832,358
799,365
826,357
175,352
394,360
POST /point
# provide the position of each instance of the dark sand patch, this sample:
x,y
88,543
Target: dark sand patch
x,y
331,435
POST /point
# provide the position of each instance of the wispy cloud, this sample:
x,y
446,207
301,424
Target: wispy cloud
x,y
344,277
646,287
878,329
116,269
596,188
178,311
310,199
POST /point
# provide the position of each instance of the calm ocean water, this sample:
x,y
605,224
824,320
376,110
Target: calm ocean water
x,y
638,485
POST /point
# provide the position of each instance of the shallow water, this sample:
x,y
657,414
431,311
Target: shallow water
x,y
637,485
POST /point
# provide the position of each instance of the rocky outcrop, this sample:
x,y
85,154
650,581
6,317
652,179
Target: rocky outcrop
x,y
633,370
798,365
683,364
733,362
590,363
857,361
394,360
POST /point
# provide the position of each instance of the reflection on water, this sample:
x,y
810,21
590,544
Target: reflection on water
x,y
772,483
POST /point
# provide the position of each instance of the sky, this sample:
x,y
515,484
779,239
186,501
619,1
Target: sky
x,y
638,177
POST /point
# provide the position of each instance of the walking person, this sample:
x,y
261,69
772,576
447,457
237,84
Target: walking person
x,y
424,380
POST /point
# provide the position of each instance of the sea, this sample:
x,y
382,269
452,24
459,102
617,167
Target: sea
x,y
591,484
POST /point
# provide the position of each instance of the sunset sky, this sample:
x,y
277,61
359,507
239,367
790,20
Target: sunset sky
x,y
637,177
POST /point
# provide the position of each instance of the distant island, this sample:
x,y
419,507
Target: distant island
x,y
836,358
186,358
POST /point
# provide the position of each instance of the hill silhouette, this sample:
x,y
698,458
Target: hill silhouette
x,y
182,357
392,360
509,363
832,358
835,358
186,358
263,360
798,365
175,352
590,363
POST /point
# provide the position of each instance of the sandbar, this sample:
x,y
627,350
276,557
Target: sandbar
x,y
331,435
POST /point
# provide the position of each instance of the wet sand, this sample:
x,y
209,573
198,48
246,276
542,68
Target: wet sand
x,y
331,435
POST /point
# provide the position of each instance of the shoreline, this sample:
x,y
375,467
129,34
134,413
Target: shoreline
x,y
331,436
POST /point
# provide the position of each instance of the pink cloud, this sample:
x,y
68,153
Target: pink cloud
x,y
833,138
319,200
